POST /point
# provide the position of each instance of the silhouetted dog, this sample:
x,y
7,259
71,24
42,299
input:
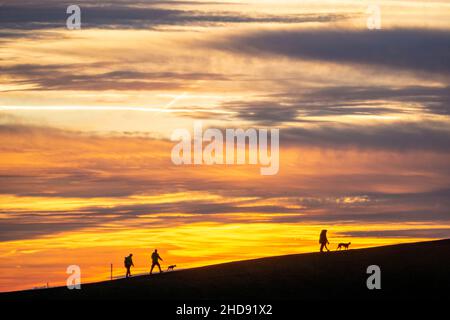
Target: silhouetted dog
x,y
343,245
170,268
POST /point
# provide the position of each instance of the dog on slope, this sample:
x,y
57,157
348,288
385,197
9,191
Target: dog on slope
x,y
170,268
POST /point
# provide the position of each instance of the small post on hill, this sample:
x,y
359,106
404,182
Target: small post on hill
x,y
111,271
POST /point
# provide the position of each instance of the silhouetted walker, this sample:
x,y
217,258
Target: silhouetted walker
x,y
323,240
155,261
128,264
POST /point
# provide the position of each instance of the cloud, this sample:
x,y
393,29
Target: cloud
x,y
128,15
364,100
417,50
437,233
397,136
310,104
392,136
72,77
373,208
27,230
108,179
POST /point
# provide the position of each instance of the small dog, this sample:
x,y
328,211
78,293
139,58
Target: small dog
x,y
170,268
343,245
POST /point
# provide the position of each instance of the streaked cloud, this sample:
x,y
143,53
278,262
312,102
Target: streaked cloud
x,y
130,15
402,49
55,180
396,136
71,77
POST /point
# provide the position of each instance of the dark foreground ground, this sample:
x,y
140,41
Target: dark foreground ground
x,y
409,271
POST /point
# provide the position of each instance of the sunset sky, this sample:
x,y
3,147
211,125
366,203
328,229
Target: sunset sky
x,y
86,117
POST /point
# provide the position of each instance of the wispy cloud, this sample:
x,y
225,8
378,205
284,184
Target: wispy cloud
x,y
66,180
396,136
51,77
128,15
417,50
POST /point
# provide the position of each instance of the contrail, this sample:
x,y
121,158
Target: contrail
x,y
86,108
171,103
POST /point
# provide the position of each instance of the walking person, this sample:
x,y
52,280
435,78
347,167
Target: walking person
x,y
323,240
155,261
128,264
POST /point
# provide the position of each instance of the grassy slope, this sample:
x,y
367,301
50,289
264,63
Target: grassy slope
x,y
419,270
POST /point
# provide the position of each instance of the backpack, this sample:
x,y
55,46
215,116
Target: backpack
x,y
127,262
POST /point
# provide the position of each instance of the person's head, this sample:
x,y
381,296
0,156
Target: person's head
x,y
324,231
156,250
131,254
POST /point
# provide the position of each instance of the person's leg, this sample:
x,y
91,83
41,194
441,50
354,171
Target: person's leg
x,y
321,247
159,267
151,270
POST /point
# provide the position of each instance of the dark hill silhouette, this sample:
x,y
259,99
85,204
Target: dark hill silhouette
x,y
418,270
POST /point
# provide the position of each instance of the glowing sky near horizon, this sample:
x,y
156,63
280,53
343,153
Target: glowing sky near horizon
x,y
86,116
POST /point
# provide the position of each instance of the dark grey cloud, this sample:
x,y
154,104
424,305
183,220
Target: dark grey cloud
x,y
330,218
363,100
398,136
71,77
24,225
28,230
268,111
419,50
135,3
299,106
438,233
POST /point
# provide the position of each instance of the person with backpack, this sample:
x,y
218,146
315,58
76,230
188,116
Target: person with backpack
x,y
128,264
323,240
155,261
